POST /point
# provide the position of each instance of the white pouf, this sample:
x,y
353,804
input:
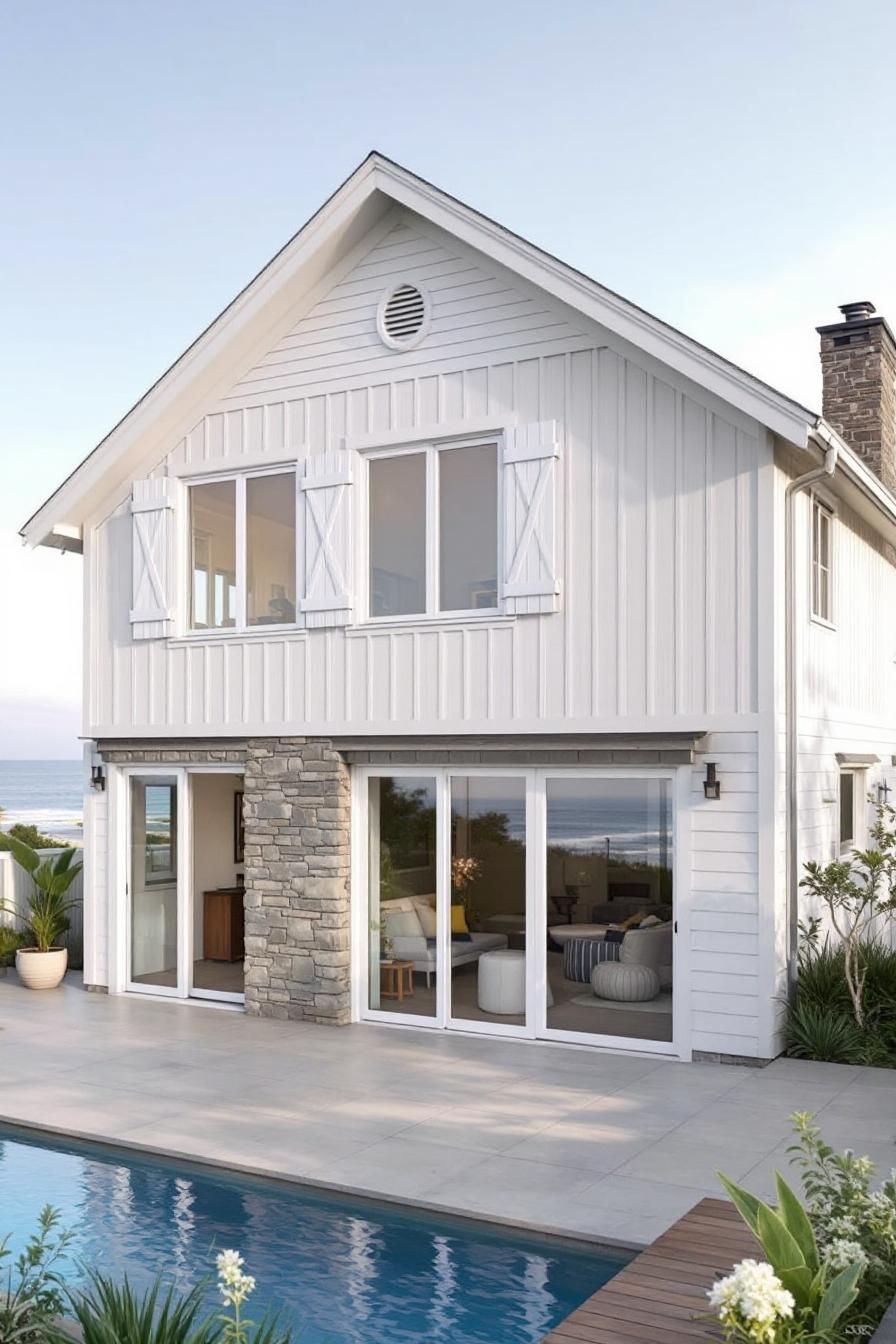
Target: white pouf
x,y
624,983
502,982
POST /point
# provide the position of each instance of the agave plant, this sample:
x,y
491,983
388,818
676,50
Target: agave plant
x,y
48,905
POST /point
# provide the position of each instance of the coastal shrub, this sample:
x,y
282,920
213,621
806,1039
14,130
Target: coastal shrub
x,y
110,1313
30,835
830,1267
10,942
32,1296
820,1022
857,892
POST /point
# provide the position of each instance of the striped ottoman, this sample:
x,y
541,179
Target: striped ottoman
x,y
581,955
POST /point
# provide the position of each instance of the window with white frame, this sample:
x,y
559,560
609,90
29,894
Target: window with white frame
x,y
822,561
243,552
848,827
433,530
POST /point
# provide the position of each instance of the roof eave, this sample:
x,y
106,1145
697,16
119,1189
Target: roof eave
x,y
193,371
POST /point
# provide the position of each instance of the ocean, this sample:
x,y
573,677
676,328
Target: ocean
x,y
45,794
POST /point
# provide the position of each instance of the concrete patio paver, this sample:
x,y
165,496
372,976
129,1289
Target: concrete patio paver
x,y
604,1146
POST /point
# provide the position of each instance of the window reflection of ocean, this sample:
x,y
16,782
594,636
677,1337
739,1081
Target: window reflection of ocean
x,y
635,830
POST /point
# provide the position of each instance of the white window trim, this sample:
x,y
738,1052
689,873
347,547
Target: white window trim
x,y
429,449
241,628
824,505
859,819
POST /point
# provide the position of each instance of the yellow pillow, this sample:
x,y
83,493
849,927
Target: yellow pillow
x,y
632,920
459,919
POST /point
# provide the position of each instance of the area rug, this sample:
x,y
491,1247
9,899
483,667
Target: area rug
x,y
661,1004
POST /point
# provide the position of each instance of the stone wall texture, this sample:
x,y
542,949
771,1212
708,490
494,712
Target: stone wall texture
x,y
297,804
858,362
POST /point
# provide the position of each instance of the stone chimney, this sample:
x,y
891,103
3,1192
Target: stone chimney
x,y
858,366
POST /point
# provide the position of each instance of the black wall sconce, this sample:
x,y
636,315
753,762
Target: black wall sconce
x,y
883,791
712,788
97,779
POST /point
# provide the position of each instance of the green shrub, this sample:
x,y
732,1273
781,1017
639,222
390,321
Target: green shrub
x,y
48,903
820,1022
830,1268
110,1313
30,835
10,942
813,1032
31,1298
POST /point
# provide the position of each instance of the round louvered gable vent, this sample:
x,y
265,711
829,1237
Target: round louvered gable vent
x,y
403,316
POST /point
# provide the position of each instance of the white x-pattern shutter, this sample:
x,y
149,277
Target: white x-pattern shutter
x,y
153,557
326,490
531,584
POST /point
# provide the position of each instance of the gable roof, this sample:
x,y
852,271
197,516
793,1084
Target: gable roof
x,y
299,270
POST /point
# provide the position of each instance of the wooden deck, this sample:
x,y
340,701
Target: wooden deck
x,y
660,1297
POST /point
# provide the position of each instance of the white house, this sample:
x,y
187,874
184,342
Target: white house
x,y
440,604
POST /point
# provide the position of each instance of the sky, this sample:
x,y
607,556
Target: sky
x,y
728,166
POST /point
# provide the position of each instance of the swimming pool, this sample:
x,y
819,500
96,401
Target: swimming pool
x,y
344,1270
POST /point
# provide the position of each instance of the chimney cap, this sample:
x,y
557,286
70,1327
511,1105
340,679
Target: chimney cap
x,y
857,312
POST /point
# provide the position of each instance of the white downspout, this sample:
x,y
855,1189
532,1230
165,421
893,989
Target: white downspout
x,y
791,768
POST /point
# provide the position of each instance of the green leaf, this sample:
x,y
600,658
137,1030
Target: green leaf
x,y
841,1293
795,1219
746,1204
783,1252
23,854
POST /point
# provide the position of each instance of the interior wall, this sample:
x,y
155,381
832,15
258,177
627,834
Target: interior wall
x,y
213,841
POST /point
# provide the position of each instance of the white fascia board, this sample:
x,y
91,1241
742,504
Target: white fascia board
x,y
207,365
771,408
863,490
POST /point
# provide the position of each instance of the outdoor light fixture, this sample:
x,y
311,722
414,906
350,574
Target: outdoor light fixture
x,y
711,786
97,778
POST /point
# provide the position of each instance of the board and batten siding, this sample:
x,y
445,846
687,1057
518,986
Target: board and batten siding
x,y
846,680
657,523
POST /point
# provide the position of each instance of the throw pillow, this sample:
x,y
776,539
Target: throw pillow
x,y
427,917
459,919
633,920
649,922
402,924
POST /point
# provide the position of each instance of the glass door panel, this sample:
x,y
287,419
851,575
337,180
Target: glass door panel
x,y
610,907
488,900
153,882
402,886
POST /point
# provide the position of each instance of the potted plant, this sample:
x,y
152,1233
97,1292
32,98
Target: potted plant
x,y
43,963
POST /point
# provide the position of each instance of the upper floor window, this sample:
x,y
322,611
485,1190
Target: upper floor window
x,y
433,531
822,561
243,552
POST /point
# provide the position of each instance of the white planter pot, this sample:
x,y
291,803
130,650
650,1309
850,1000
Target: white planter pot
x,y
41,970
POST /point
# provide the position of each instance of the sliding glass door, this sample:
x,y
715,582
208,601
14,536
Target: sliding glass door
x,y
182,933
525,902
154,908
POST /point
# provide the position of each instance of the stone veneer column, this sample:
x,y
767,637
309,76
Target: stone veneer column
x,y
297,809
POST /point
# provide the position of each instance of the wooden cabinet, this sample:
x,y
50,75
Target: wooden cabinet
x,y
222,937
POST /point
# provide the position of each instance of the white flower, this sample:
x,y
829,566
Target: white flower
x,y
842,1253
229,1262
233,1285
753,1298
844,1227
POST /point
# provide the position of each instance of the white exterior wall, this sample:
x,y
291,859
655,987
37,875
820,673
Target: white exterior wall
x,y
657,523
846,682
660,551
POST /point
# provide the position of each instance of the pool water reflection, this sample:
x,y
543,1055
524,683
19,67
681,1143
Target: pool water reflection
x,y
342,1270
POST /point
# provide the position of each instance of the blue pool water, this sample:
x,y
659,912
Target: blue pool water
x,y
343,1270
